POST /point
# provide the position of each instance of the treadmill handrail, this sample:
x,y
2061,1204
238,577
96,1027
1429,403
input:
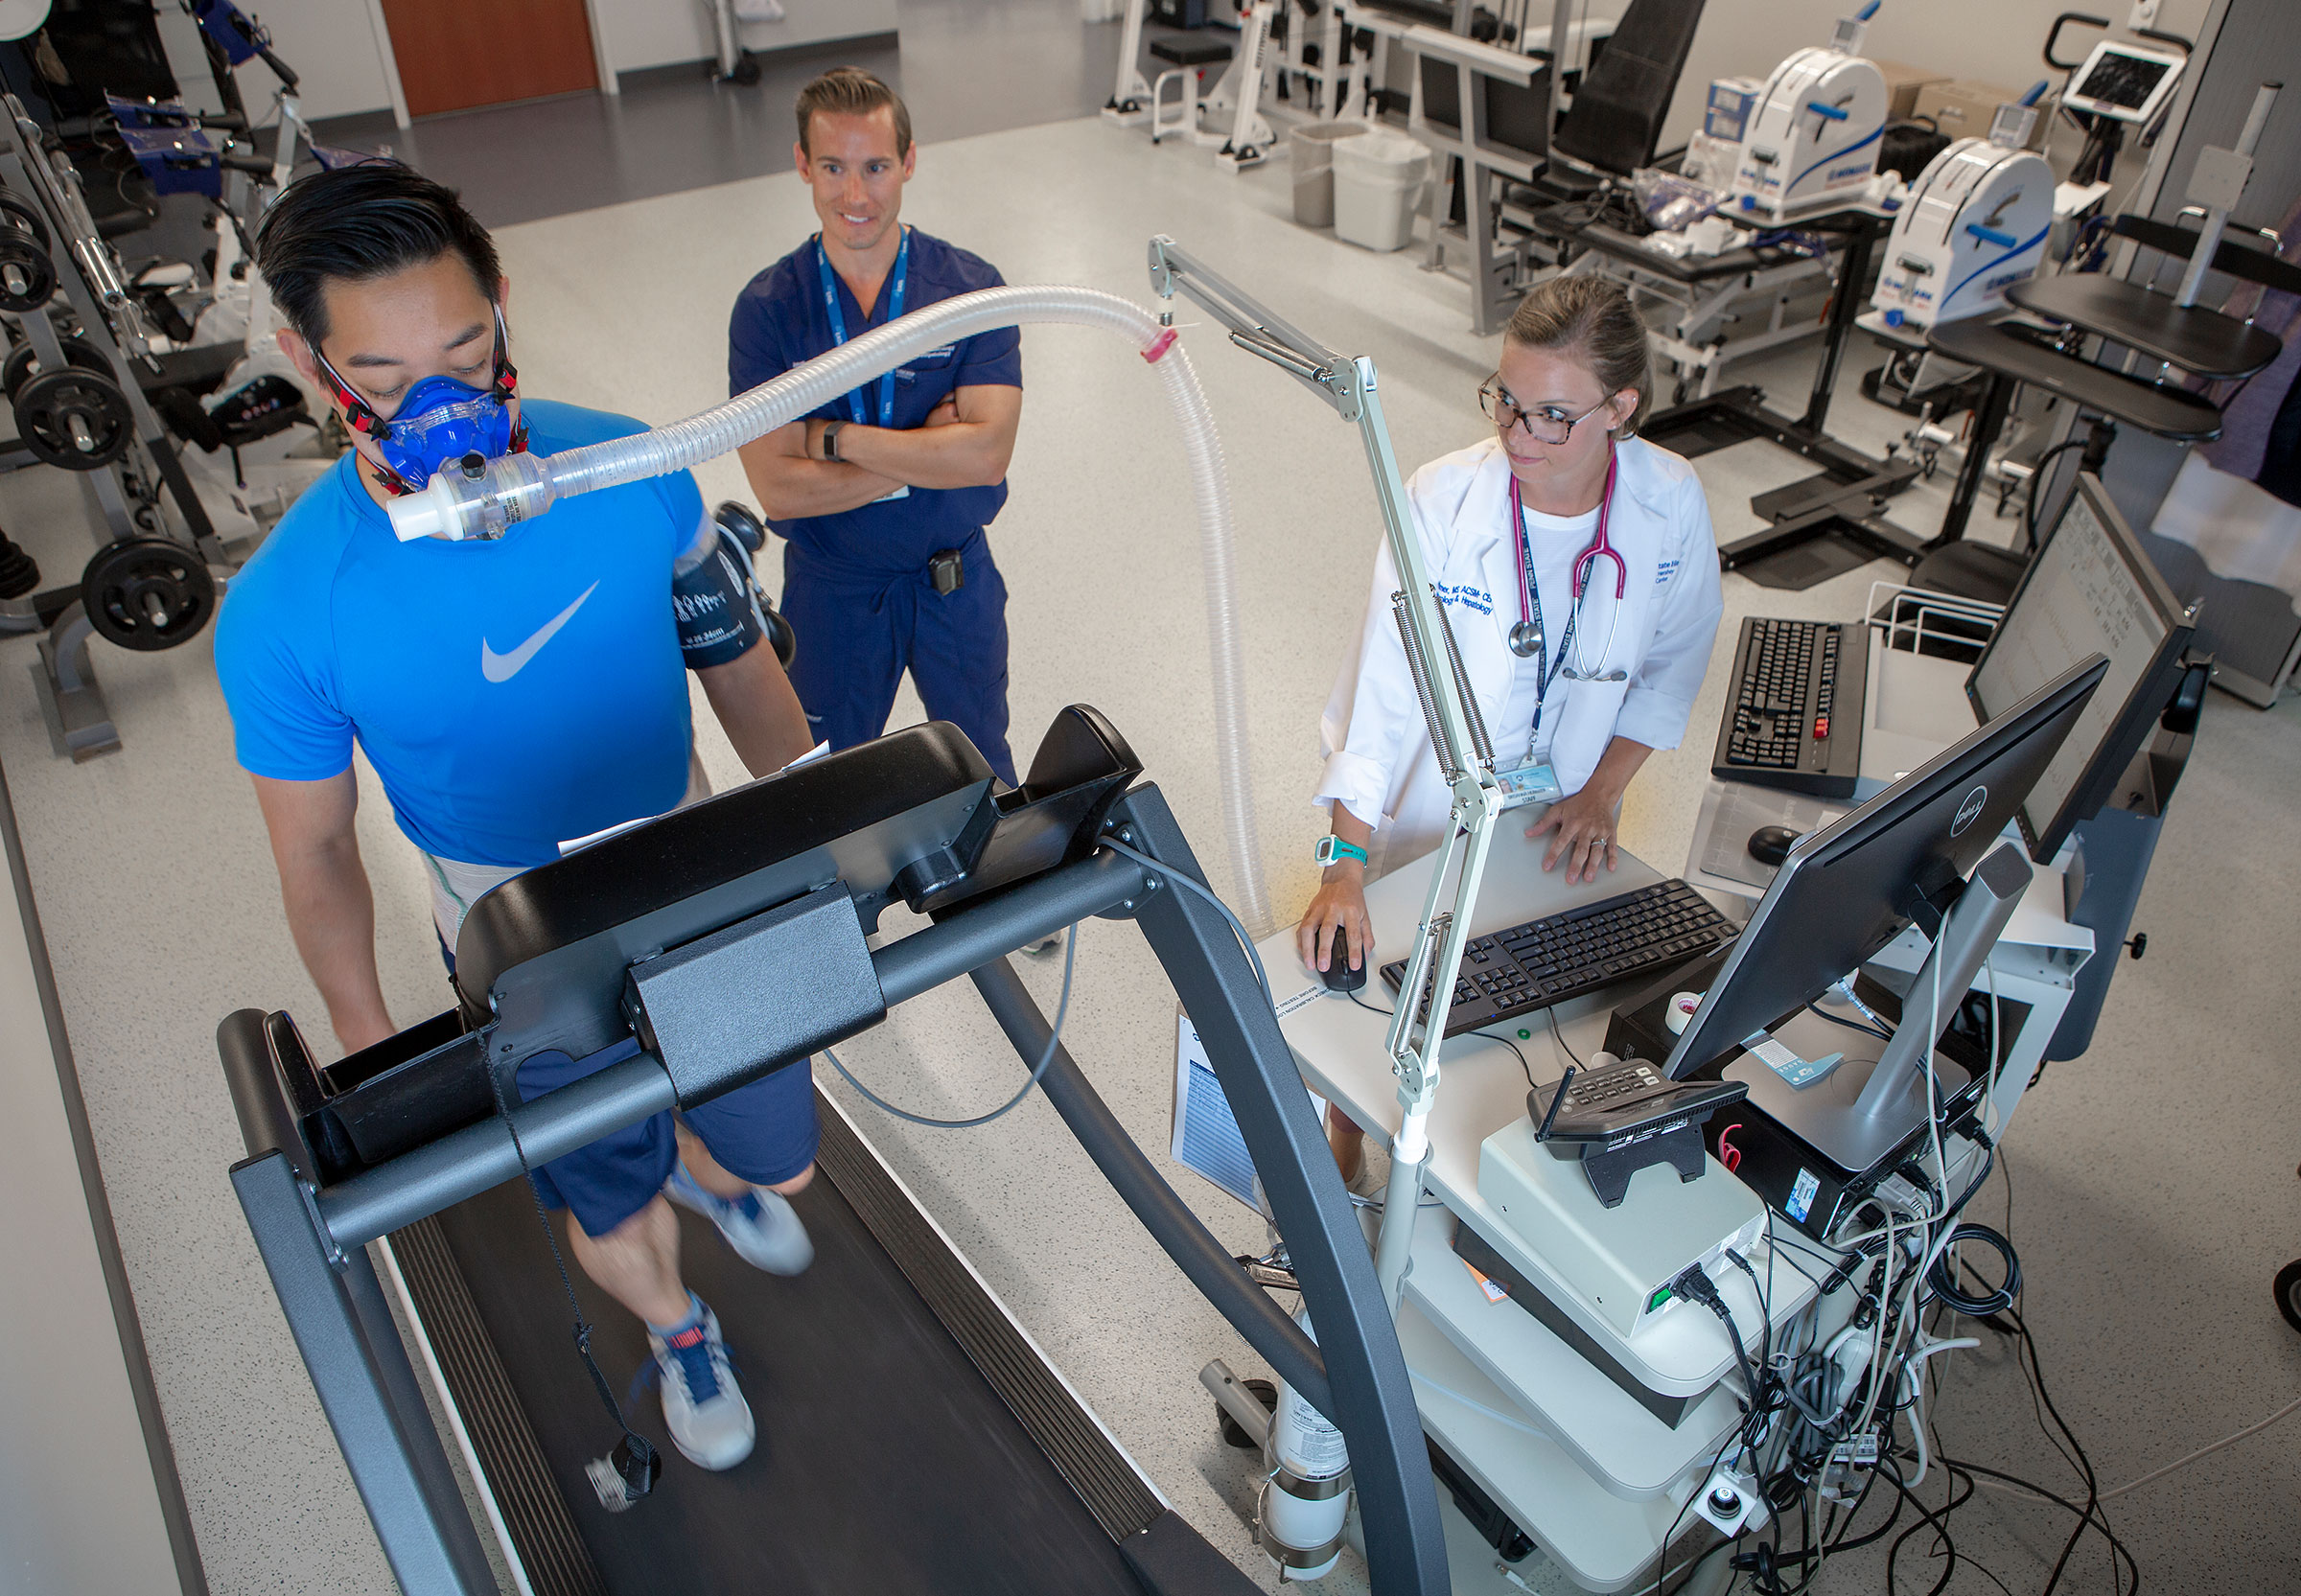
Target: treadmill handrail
x,y
465,1163
267,1124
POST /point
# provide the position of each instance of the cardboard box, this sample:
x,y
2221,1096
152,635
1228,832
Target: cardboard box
x,y
1902,83
1964,109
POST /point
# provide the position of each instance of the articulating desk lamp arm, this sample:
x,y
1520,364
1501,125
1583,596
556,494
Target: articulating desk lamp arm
x,y
1458,734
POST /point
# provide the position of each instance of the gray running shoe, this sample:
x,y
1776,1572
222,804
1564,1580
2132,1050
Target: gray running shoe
x,y
710,1422
764,1228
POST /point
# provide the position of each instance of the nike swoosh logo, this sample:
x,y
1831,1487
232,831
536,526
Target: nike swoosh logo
x,y
502,667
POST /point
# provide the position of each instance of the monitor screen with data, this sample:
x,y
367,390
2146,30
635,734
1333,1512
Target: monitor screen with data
x,y
2091,589
2129,83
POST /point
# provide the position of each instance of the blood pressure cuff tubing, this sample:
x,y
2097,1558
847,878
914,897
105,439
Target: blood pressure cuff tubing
x,y
715,601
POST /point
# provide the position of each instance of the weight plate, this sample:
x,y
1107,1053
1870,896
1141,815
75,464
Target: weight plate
x,y
23,218
76,419
27,279
23,360
148,594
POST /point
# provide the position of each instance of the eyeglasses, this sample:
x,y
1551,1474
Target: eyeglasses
x,y
1546,423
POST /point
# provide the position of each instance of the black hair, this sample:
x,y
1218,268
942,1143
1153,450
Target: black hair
x,y
360,223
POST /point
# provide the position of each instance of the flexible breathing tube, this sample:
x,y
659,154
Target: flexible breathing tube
x,y
485,498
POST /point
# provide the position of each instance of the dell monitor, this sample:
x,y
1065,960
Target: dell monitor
x,y
2091,587
1846,891
1812,1139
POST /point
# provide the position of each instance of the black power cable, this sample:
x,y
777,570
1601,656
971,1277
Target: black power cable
x,y
1943,1278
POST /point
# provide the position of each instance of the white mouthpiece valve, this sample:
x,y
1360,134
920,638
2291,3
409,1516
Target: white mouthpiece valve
x,y
428,512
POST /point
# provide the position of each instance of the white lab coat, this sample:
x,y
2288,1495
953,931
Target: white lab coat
x,y
1379,764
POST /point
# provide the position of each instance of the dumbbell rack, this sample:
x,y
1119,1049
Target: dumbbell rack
x,y
127,487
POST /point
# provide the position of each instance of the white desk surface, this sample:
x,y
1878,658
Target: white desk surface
x,y
1338,1048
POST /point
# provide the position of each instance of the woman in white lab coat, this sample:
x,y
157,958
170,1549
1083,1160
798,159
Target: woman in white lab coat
x,y
1577,566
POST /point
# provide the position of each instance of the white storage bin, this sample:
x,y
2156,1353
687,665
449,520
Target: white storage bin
x,y
1378,179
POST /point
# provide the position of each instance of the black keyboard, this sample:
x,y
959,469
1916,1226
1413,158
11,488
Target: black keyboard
x,y
1531,966
1782,726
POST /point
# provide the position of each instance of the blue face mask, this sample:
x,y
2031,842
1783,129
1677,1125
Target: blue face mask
x,y
439,421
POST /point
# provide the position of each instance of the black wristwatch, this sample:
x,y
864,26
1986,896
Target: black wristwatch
x,y
830,439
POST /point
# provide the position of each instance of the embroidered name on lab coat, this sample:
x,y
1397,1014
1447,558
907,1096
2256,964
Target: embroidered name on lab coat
x,y
1665,571
1469,598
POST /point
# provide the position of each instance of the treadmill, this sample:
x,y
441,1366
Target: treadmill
x,y
911,1434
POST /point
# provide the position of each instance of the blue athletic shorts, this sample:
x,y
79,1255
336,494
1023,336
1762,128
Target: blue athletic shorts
x,y
765,1133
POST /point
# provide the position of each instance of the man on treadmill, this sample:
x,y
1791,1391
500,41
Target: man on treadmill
x,y
510,695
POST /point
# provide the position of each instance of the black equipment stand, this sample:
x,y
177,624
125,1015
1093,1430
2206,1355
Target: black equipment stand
x,y
1847,498
751,908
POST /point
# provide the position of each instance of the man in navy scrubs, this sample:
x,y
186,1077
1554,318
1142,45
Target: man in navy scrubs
x,y
885,492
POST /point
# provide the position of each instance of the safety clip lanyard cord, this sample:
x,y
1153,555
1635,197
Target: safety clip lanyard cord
x,y
1530,601
640,1449
838,320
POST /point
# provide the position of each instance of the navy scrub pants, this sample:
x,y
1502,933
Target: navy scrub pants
x,y
858,634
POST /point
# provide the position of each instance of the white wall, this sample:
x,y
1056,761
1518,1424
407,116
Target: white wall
x,y
332,46
641,33
333,49
1991,41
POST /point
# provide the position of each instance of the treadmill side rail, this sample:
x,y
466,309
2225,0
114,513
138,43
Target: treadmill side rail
x,y
1366,1373
352,1348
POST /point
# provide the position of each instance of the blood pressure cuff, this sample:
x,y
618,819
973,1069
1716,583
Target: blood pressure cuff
x,y
713,596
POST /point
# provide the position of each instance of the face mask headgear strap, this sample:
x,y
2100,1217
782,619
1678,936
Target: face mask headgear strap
x,y
360,416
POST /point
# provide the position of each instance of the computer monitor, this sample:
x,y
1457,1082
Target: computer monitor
x,y
2091,587
1846,891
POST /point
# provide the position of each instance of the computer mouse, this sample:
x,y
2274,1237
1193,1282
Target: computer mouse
x,y
1338,976
1771,845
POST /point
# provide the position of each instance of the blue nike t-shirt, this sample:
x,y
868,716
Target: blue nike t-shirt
x,y
511,694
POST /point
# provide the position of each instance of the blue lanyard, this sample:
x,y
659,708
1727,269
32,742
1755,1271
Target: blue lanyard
x,y
894,309
1529,602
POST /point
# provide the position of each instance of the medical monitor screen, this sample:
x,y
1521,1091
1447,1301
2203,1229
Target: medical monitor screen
x,y
1846,891
2124,83
2091,589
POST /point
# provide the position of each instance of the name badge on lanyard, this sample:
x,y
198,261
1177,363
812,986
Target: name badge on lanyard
x,y
838,320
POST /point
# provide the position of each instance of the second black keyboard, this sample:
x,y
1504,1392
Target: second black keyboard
x,y
1783,725
1529,967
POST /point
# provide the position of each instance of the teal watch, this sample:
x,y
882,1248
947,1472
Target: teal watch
x,y
1331,851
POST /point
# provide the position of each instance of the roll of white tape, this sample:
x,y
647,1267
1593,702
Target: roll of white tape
x,y
1681,1010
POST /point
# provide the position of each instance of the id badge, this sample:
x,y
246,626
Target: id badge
x,y
1529,783
903,491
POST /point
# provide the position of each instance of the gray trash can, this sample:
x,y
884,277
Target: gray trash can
x,y
1311,148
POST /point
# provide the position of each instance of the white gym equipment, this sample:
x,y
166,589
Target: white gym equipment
x,y
1976,221
1814,140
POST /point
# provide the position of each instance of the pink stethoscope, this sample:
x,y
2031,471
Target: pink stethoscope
x,y
1527,637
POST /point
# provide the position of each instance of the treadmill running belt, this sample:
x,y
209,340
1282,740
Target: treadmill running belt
x,y
886,1461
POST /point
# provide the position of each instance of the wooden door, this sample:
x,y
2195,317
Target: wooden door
x,y
454,55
